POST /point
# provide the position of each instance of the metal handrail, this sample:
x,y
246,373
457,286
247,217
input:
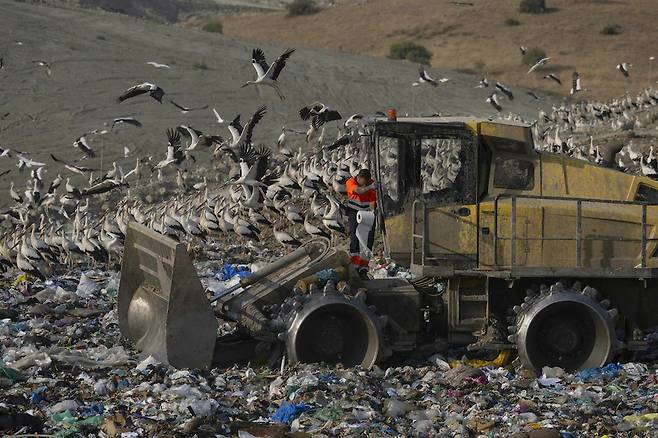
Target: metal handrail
x,y
415,235
578,237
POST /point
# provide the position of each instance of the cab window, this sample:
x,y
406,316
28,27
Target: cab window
x,y
646,194
513,173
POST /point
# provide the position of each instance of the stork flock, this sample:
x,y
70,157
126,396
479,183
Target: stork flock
x,y
625,127
285,194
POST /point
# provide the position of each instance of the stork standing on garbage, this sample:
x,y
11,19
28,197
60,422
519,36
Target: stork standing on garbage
x,y
362,198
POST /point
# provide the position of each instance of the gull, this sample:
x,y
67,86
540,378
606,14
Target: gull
x,y
82,144
554,77
623,68
219,119
542,62
154,91
157,64
72,167
26,162
424,77
5,152
484,83
575,83
268,74
523,49
505,90
184,109
126,152
127,120
2,63
319,114
493,100
44,64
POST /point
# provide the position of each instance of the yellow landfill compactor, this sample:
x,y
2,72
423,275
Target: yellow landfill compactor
x,y
511,249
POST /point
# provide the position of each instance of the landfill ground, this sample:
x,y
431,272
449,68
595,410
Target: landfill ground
x,y
67,372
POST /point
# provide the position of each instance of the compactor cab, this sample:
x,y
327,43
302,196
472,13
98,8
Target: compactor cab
x,y
503,227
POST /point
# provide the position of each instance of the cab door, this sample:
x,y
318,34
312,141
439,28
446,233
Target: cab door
x,y
449,192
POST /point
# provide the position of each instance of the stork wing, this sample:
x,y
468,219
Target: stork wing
x,y
134,91
275,69
190,132
235,128
173,137
258,115
180,107
259,63
344,140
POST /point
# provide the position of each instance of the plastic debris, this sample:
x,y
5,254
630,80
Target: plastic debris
x,y
609,371
287,412
65,371
11,374
228,271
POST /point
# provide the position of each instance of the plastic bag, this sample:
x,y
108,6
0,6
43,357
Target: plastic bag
x,y
87,287
287,412
229,271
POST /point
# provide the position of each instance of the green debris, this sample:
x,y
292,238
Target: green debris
x,y
11,374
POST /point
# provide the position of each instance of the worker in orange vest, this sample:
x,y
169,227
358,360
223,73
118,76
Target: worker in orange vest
x,y
362,195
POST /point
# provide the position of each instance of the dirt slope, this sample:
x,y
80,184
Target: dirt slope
x,y
476,38
95,55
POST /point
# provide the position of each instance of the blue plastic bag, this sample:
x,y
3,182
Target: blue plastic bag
x,y
287,412
39,395
610,371
229,271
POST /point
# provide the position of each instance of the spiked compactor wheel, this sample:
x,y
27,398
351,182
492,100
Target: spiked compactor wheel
x,y
331,327
565,327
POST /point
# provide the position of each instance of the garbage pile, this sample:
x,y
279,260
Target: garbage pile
x,y
65,372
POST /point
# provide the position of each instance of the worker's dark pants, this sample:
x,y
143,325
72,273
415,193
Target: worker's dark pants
x,y
355,247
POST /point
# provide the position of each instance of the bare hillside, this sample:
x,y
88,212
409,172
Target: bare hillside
x,y
97,55
477,38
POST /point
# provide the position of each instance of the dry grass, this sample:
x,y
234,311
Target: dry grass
x,y
477,38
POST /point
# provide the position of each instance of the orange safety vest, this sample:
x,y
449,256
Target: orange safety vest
x,y
359,201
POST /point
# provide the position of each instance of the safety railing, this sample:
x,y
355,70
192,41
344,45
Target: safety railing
x,y
577,237
415,236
